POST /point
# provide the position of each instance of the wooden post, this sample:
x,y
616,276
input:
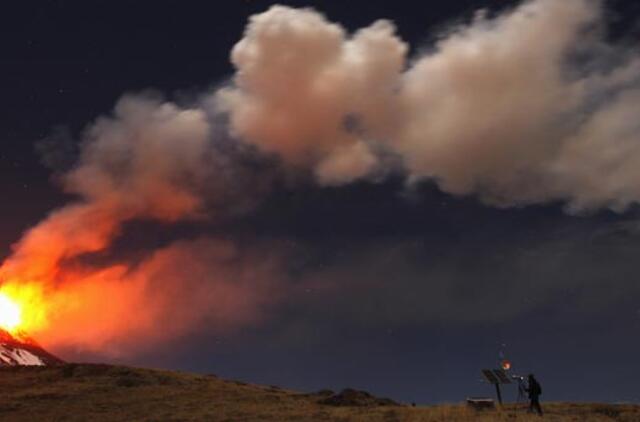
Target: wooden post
x,y
499,394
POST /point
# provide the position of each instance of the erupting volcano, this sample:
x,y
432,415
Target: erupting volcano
x,y
19,349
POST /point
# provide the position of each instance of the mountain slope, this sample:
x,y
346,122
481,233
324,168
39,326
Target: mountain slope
x,y
19,349
113,393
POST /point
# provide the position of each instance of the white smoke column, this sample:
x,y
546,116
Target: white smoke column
x,y
498,108
300,78
483,112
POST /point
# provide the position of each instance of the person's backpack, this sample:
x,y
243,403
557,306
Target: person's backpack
x,y
536,388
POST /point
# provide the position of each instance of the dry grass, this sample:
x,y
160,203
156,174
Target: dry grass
x,y
114,393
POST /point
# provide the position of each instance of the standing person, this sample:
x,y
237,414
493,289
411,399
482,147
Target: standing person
x,y
534,391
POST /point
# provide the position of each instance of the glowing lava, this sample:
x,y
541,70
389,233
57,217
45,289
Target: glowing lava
x,y
10,313
22,307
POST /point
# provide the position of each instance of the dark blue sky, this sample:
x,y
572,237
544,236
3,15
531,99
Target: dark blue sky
x,y
557,294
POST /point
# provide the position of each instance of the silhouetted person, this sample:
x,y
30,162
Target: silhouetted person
x,y
534,391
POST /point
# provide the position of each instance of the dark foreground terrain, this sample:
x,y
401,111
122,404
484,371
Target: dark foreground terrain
x,y
114,393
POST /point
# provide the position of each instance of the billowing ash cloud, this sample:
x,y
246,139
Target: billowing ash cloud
x,y
530,106
150,160
186,287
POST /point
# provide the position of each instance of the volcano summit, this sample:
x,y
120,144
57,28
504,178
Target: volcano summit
x,y
21,350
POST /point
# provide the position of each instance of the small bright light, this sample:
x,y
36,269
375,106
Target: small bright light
x,y
10,315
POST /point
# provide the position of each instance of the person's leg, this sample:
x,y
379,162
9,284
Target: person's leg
x,y
531,405
538,407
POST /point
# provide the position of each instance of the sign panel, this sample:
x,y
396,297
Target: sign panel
x,y
502,376
496,376
490,376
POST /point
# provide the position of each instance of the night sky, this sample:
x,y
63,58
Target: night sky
x,y
403,292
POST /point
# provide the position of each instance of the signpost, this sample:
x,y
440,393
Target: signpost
x,y
496,377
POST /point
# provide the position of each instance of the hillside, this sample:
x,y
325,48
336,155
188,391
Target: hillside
x,y
114,393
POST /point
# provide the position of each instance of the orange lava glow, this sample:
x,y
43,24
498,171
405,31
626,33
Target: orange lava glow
x,y
21,307
10,313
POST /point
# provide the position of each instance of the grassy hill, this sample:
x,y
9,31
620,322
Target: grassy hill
x,y
115,393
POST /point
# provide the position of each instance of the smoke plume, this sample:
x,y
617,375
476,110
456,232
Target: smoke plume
x,y
530,106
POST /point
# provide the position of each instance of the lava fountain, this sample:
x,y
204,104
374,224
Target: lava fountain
x,y
22,308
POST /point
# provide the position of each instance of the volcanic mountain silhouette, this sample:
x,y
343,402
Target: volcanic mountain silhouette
x,y
18,349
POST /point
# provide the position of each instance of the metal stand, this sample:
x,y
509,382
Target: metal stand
x,y
522,389
522,392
